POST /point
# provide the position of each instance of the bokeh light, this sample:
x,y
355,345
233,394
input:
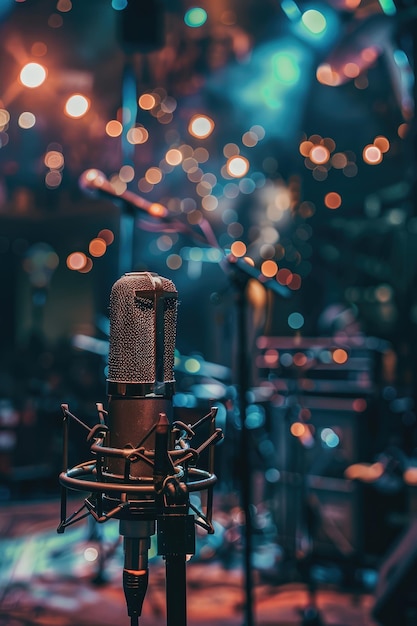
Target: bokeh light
x,y
195,17
26,120
127,173
174,156
296,320
137,135
238,249
153,175
319,154
77,105
107,235
340,356
297,429
372,154
97,247
382,143
269,268
237,166
114,128
53,179
201,126
54,159
332,200
286,69
32,75
147,101
314,21
76,261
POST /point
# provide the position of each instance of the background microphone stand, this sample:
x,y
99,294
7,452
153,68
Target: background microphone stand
x,y
239,273
239,281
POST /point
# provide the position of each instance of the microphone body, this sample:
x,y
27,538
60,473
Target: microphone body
x,y
140,384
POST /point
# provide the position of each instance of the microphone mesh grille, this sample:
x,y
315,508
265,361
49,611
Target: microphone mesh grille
x,y
133,328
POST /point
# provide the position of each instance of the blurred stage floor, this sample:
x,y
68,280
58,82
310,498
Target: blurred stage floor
x,y
54,580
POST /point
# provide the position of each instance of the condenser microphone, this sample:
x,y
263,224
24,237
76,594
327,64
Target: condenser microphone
x,y
144,464
140,386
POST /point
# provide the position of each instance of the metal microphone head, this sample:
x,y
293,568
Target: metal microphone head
x,y
143,317
140,384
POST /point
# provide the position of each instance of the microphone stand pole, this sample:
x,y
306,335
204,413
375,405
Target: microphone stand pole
x,y
176,538
175,527
239,281
240,272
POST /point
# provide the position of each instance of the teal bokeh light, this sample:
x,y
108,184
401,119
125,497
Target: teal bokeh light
x,y
314,21
329,438
195,17
295,321
319,26
286,68
284,73
119,5
270,87
388,7
291,9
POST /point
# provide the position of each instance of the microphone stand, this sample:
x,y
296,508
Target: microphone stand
x,y
240,272
239,281
176,531
163,498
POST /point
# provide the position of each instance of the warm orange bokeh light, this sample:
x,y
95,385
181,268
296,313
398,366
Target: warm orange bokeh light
x,y
269,268
382,143
147,101
97,247
319,154
340,356
332,200
157,210
297,429
238,249
76,261
114,128
201,126
372,155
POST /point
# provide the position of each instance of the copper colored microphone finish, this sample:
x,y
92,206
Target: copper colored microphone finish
x,y
140,384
